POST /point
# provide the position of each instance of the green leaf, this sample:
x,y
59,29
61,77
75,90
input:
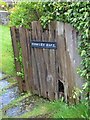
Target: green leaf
x,y
83,52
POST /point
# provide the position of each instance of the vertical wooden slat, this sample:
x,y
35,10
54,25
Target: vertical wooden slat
x,y
23,42
76,59
61,56
42,65
28,37
36,57
45,37
16,56
52,37
69,55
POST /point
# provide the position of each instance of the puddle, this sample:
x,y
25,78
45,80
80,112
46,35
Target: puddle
x,y
28,104
10,93
24,106
15,111
8,96
3,84
21,109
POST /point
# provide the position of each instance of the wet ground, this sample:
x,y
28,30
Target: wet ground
x,y
20,109
10,94
3,84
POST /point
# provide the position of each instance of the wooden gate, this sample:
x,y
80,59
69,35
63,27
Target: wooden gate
x,y
50,59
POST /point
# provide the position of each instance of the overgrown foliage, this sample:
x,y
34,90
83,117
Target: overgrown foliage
x,y
24,13
75,13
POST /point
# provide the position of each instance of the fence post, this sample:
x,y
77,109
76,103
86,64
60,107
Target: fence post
x,y
16,55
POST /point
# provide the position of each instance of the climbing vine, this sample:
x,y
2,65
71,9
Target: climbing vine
x,y
75,13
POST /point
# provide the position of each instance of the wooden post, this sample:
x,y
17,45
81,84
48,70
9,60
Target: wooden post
x,y
16,56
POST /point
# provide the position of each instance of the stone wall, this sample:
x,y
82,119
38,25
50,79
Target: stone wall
x,y
4,17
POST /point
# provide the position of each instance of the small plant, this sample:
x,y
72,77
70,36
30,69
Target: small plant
x,y
20,74
77,94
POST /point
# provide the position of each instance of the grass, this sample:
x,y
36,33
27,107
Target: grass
x,y
7,61
47,109
56,109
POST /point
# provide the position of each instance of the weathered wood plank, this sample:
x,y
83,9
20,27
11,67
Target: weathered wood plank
x,y
27,57
76,59
45,37
30,62
37,58
42,65
28,37
61,57
52,37
69,55
16,56
24,54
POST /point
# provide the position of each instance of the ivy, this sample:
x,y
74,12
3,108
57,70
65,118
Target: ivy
x,y
77,14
